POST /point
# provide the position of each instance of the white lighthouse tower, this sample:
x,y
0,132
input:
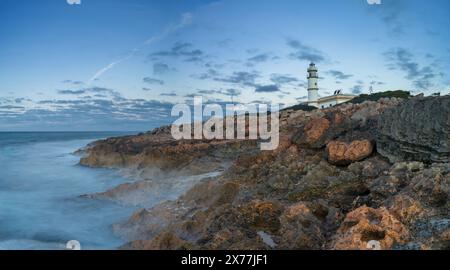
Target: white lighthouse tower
x,y
313,88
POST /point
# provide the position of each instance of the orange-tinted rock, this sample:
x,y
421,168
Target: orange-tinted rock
x,y
365,224
341,153
338,118
315,129
159,150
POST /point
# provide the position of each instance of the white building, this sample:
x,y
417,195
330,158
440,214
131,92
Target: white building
x,y
313,92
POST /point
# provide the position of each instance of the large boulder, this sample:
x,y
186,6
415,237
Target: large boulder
x,y
417,130
321,129
342,153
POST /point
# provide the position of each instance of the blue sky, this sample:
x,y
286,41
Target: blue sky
x,y
121,65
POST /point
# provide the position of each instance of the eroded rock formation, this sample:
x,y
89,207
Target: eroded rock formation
x,y
325,187
417,130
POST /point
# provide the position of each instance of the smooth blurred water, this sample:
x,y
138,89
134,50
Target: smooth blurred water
x,y
40,188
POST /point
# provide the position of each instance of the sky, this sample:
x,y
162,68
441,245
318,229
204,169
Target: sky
x,y
107,65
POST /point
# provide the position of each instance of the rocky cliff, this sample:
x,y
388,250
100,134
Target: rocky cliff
x,y
354,176
419,130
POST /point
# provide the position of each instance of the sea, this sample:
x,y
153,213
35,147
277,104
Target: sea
x,y
41,184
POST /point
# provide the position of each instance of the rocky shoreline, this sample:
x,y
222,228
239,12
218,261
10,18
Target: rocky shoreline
x,y
341,178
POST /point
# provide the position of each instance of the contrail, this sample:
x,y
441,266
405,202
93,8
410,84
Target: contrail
x,y
186,19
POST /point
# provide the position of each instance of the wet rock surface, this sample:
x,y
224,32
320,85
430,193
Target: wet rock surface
x,y
326,186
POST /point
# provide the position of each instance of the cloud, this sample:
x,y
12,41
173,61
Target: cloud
x,y
267,88
185,20
160,69
357,89
181,49
404,60
242,77
263,57
86,114
105,92
305,53
390,12
169,94
209,92
280,79
146,89
20,100
152,81
260,58
209,74
71,92
377,83
11,107
95,90
232,92
227,92
72,82
339,75
190,95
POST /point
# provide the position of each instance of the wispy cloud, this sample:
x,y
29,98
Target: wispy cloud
x,y
227,92
280,79
168,94
72,82
304,52
339,75
152,81
71,92
185,20
240,77
105,110
421,76
267,88
161,68
95,90
184,50
357,89
390,13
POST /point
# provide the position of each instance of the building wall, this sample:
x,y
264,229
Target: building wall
x,y
329,103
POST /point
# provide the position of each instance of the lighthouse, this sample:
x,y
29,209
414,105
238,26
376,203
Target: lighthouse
x,y
313,92
313,88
